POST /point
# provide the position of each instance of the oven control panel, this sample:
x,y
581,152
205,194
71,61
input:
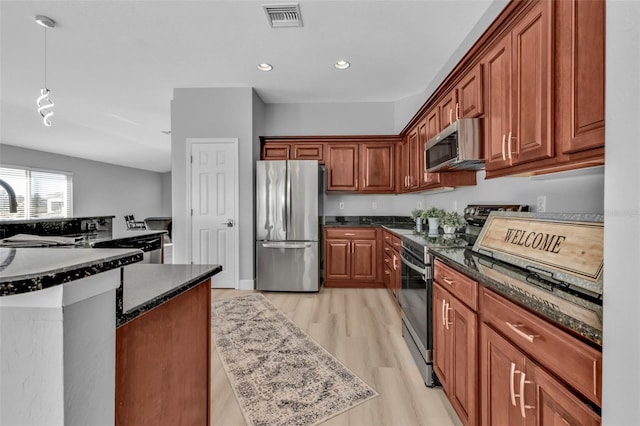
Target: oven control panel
x,y
477,214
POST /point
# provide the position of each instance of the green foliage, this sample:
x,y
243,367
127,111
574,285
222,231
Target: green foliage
x,y
416,213
432,212
452,219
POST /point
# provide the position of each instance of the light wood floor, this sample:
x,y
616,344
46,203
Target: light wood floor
x,y
360,327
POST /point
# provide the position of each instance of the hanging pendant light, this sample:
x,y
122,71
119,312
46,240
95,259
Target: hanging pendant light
x,y
44,103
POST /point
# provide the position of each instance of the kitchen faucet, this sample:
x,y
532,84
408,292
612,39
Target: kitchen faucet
x,y
13,203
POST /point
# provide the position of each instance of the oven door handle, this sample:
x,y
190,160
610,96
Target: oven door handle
x,y
424,272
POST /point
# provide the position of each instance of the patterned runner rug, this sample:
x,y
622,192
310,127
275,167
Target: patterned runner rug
x,y
279,374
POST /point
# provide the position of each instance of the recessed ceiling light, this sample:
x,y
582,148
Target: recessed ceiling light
x,y
264,67
342,65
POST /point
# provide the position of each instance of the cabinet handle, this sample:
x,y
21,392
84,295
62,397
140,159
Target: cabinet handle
x,y
457,110
387,272
444,322
504,152
512,393
395,260
349,234
522,403
516,329
446,316
447,280
509,145
450,116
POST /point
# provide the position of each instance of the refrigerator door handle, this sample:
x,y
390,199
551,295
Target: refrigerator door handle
x,y
286,245
287,203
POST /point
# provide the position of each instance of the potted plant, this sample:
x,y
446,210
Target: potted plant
x,y
432,215
416,214
451,221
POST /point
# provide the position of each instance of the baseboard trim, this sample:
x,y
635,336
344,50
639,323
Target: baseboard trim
x,y
246,285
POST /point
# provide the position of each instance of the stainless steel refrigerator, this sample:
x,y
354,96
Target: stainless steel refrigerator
x,y
288,207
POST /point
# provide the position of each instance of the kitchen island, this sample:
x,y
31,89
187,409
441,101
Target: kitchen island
x,y
163,345
58,333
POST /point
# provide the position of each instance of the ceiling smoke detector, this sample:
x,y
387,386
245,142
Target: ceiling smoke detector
x,y
283,15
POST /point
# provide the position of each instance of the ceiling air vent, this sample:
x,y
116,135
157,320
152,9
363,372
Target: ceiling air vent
x,y
283,15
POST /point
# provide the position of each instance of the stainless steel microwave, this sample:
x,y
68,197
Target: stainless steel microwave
x,y
457,147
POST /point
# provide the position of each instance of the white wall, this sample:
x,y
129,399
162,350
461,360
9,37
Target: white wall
x,y
165,200
213,113
99,189
407,107
621,334
359,118
586,188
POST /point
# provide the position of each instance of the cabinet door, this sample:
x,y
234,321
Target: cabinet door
x,y
441,336
580,86
414,178
308,151
556,405
342,167
532,108
364,263
273,151
470,100
338,259
448,109
405,160
500,367
463,389
377,167
497,66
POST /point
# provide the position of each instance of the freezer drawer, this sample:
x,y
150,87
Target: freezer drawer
x,y
287,266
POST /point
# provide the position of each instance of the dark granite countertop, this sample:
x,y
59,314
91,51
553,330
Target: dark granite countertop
x,y
100,238
146,286
404,222
581,315
24,270
52,219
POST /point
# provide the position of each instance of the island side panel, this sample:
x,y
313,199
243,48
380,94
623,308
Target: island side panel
x,y
163,363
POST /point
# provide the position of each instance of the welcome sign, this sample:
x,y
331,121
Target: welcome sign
x,y
568,247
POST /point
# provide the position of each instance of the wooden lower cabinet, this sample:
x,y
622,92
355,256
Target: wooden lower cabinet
x,y
163,362
351,257
455,354
392,265
516,391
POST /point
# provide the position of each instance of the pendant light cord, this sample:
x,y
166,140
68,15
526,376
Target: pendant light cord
x,y
45,57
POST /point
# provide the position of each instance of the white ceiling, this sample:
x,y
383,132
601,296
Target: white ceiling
x,y
112,65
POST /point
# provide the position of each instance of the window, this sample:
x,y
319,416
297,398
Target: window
x,y
39,193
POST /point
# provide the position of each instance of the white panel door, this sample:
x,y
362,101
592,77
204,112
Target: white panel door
x,y
214,236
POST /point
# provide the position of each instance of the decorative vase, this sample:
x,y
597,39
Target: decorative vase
x,y
418,225
448,229
433,225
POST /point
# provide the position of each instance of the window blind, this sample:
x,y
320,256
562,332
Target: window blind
x,y
39,193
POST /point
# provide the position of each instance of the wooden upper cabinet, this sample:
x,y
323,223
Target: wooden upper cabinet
x,y
448,109
581,72
414,160
276,151
342,165
433,122
532,119
519,84
377,167
497,66
308,151
470,94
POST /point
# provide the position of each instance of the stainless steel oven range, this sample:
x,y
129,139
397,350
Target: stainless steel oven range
x,y
415,292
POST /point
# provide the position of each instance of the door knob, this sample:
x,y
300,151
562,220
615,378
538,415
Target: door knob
x,y
229,223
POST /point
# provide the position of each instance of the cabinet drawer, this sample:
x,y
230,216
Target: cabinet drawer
x,y
391,239
573,361
351,233
457,284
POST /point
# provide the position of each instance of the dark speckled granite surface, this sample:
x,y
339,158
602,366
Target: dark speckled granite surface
x,y
24,270
402,222
146,286
576,313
